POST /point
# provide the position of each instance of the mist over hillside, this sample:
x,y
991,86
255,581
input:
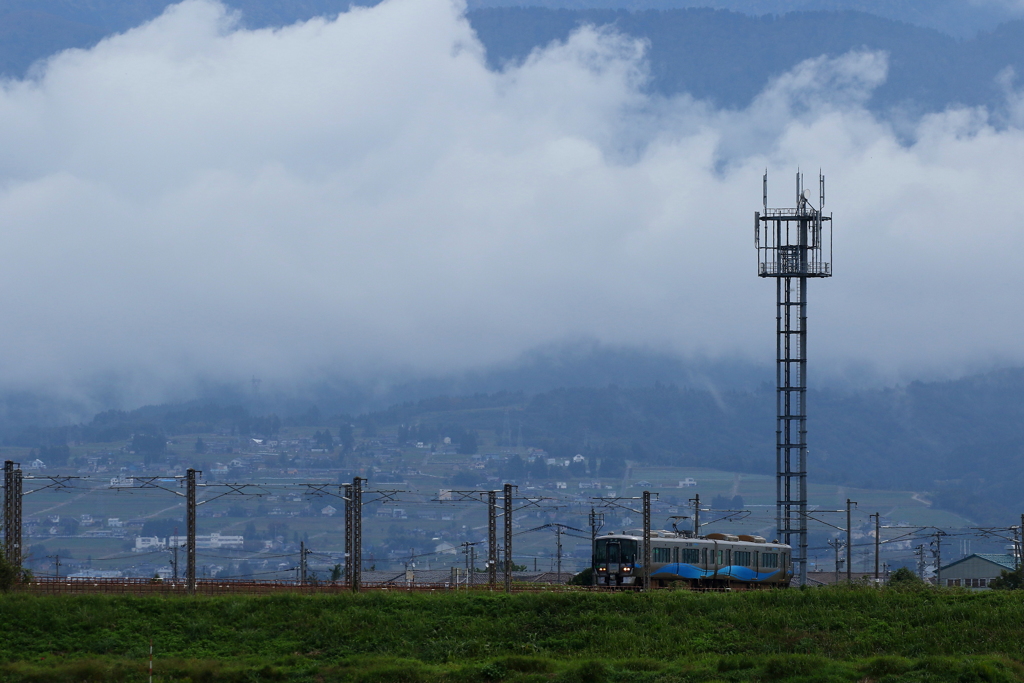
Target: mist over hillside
x,y
957,441
579,364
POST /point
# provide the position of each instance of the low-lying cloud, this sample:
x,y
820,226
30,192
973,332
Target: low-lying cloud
x,y
191,198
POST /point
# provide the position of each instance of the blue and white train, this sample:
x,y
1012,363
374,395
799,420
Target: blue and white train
x,y
684,560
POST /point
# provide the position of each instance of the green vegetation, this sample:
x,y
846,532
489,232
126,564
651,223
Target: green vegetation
x,y
1009,581
838,634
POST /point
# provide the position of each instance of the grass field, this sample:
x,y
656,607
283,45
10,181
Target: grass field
x,y
838,634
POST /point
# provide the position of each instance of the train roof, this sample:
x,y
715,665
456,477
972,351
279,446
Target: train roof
x,y
637,534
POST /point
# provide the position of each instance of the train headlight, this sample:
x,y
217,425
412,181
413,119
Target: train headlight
x,y
626,570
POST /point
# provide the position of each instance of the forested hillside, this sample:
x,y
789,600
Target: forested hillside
x,y
960,441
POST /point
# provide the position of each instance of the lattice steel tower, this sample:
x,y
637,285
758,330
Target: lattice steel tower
x,y
792,246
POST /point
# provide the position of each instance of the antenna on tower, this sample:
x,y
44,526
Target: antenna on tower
x,y
765,193
790,245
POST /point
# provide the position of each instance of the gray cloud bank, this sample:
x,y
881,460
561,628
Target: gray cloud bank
x,y
361,194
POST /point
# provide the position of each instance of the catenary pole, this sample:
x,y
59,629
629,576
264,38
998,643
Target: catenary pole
x,y
647,540
357,533
492,539
508,537
190,522
347,498
878,542
849,541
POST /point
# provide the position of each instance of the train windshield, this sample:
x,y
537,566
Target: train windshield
x,y
614,551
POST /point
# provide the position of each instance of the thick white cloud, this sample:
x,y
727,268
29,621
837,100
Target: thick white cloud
x,y
192,198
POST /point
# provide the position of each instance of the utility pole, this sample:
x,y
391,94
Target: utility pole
x,y
492,539
1020,545
357,533
493,547
508,537
472,564
939,533
878,517
558,550
849,541
919,551
190,522
836,544
56,565
647,541
12,512
177,544
302,563
696,514
596,522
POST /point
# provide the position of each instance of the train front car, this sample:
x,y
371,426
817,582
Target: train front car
x,y
617,560
684,560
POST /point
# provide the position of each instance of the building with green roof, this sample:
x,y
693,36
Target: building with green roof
x,y
977,570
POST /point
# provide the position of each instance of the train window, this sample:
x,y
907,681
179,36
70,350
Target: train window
x,y
742,558
721,557
784,560
613,553
689,555
769,560
704,552
728,557
662,555
601,551
675,554
628,551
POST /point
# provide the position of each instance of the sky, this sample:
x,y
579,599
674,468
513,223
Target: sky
x,y
190,199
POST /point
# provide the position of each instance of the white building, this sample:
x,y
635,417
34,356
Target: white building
x,y
146,543
212,542
96,574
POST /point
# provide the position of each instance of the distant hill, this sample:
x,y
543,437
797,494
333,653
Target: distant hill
x,y
723,56
961,441
728,58
957,18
